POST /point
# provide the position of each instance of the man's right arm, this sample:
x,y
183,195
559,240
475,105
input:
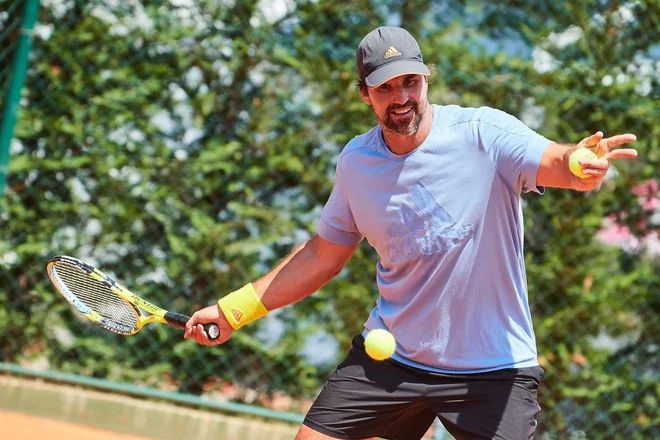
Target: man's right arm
x,y
303,272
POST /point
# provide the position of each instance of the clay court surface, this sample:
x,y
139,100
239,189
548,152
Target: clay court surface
x,y
17,426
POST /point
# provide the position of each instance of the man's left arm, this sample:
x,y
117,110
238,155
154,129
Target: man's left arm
x,y
554,169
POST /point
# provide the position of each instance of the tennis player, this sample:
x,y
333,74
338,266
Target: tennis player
x,y
436,190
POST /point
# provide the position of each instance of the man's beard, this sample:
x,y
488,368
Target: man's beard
x,y
407,127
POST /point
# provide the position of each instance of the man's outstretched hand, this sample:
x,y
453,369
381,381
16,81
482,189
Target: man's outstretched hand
x,y
605,150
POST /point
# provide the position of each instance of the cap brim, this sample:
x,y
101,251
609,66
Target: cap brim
x,y
394,69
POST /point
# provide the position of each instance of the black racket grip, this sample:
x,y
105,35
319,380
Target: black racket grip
x,y
178,320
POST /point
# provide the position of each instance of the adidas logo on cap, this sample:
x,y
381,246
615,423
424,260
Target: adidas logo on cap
x,y
392,52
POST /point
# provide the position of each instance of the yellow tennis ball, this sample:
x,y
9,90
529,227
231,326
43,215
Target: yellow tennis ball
x,y
379,344
574,164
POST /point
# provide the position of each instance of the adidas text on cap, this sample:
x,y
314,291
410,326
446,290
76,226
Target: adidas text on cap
x,y
387,52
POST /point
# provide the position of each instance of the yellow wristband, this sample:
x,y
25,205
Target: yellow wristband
x,y
242,306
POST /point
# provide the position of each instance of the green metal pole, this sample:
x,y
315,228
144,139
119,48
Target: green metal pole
x,y
15,86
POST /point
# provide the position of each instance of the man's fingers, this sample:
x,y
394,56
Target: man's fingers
x,y
593,139
593,175
621,153
597,168
190,325
604,146
196,333
595,165
603,163
201,336
619,139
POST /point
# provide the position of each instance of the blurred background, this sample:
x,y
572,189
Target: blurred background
x,y
186,146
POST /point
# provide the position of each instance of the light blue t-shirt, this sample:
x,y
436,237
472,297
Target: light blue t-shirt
x,y
446,221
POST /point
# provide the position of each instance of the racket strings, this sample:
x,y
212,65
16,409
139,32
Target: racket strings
x,y
97,295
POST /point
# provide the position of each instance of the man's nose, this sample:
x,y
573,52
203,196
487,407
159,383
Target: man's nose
x,y
399,95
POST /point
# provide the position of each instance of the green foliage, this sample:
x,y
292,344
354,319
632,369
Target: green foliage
x,y
188,149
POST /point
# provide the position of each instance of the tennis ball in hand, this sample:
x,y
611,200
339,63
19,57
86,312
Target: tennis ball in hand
x,y
379,344
573,161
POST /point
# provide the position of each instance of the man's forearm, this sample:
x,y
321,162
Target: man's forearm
x,y
298,276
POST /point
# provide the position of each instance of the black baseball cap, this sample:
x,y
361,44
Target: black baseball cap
x,y
387,52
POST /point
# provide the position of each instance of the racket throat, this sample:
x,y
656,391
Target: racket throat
x,y
152,318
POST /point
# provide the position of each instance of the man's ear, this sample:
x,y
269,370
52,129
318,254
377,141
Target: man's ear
x,y
365,95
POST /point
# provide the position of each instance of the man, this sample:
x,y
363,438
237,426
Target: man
x,y
436,191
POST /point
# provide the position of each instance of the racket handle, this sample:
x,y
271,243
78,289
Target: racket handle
x,y
178,320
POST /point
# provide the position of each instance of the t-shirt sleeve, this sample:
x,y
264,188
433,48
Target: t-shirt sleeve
x,y
337,224
514,148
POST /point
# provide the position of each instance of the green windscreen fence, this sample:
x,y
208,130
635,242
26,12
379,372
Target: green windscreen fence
x,y
185,147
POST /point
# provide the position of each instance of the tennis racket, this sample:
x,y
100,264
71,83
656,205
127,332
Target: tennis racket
x,y
105,302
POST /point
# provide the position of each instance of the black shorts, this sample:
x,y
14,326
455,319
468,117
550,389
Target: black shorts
x,y
366,398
